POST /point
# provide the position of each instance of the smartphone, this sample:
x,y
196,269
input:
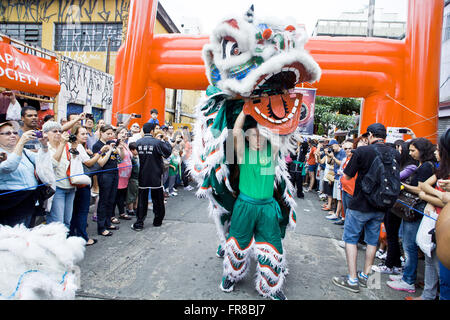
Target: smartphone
x,y
130,134
38,134
110,142
402,130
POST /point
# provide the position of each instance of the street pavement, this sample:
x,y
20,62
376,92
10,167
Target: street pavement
x,y
177,261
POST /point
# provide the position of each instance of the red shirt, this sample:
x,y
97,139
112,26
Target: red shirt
x,y
348,185
311,158
438,209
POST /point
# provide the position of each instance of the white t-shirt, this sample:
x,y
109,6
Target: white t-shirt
x,y
61,168
83,154
13,112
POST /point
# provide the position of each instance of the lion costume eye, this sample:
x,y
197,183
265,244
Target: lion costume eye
x,y
229,48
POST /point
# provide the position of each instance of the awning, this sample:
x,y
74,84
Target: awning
x,y
27,73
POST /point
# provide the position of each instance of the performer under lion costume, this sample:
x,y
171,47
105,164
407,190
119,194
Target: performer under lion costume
x,y
245,127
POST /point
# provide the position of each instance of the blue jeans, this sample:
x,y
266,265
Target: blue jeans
x,y
80,213
357,221
346,197
62,206
410,248
444,281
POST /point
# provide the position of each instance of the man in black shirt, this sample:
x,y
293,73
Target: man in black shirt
x,y
151,168
361,215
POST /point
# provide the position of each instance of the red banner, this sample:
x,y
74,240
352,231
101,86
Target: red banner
x,y
24,72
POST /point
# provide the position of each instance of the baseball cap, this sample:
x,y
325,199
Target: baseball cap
x,y
332,142
376,128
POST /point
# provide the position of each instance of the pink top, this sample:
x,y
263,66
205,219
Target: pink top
x,y
125,169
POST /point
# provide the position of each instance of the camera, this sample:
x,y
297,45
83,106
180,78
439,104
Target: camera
x,y
38,134
89,116
72,138
138,116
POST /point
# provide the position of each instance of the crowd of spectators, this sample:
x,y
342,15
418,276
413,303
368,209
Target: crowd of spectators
x,y
91,163
324,166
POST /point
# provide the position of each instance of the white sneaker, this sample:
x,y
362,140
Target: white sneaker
x,y
395,277
174,189
382,268
189,188
341,243
381,254
332,217
173,194
401,285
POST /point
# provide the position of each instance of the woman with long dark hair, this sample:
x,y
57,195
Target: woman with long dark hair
x,y
422,150
108,180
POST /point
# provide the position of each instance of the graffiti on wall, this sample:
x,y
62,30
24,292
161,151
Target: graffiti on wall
x,y
63,10
85,85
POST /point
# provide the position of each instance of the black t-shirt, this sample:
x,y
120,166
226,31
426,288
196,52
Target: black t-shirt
x,y
360,163
113,159
422,173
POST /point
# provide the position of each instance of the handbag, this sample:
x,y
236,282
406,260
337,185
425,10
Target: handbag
x,y
43,191
403,207
75,172
424,237
330,176
406,203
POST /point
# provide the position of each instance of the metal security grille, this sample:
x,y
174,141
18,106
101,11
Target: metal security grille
x,y
447,28
92,37
26,32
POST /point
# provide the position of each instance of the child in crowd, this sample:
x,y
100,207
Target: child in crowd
x,y
174,169
132,192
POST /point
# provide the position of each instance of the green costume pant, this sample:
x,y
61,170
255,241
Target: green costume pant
x,y
255,225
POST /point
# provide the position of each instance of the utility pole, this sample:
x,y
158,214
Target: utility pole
x,y
371,18
108,53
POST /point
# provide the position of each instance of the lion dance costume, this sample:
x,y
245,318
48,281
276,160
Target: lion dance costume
x,y
252,66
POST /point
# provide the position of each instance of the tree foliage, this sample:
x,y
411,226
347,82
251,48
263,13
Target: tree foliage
x,y
333,111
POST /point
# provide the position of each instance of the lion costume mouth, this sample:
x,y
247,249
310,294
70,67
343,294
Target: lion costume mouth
x,y
273,103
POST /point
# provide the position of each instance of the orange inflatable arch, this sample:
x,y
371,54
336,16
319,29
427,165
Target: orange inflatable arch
x,y
398,79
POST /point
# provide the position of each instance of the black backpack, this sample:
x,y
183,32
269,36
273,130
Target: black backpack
x,y
381,185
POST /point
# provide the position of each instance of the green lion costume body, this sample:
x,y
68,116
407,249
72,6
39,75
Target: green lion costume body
x,y
252,66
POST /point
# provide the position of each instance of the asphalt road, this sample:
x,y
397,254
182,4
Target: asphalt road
x,y
177,261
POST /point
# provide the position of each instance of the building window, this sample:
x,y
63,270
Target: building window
x,y
26,32
92,37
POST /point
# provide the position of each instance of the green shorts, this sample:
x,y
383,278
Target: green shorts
x,y
256,218
132,191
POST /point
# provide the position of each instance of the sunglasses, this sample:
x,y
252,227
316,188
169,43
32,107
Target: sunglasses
x,y
348,148
57,131
9,133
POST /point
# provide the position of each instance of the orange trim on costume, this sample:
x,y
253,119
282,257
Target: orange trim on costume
x,y
268,282
232,265
271,269
269,244
235,240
